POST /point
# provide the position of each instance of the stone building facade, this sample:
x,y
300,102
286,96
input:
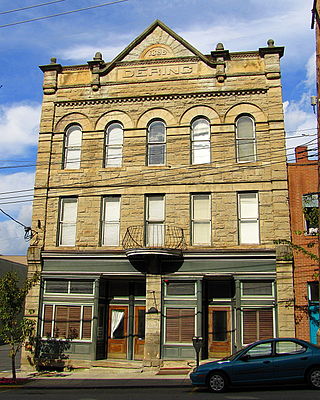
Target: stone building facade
x,y
161,186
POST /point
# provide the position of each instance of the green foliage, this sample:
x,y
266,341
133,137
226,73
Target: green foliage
x,y
14,328
298,248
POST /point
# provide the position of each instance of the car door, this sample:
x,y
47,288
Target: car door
x,y
291,359
254,366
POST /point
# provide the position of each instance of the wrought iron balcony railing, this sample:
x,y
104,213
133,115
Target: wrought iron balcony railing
x,y
154,236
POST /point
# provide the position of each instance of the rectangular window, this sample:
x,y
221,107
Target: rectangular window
x,y
257,288
180,325
67,322
68,286
313,291
311,213
173,288
248,218
155,216
111,221
201,219
67,221
220,329
257,324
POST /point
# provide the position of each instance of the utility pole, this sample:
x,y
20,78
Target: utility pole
x,y
316,23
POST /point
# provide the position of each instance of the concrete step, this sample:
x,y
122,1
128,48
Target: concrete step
x,y
125,364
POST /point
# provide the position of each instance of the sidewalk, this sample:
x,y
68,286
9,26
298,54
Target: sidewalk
x,y
100,378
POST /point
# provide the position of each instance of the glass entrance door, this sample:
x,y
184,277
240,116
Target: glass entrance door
x,y
117,332
219,331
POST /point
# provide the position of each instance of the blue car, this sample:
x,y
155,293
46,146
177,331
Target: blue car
x,y
280,360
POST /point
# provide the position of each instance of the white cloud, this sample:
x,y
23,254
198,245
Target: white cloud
x,y
87,52
311,72
19,125
11,233
300,128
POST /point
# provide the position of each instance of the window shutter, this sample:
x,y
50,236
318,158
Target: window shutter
x,y
172,325
180,325
265,324
187,316
86,322
249,326
74,322
60,325
47,321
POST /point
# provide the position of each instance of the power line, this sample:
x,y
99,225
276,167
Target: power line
x,y
63,13
29,7
28,232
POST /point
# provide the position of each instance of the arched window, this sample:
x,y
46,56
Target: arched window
x,y
114,144
245,139
200,141
72,147
156,143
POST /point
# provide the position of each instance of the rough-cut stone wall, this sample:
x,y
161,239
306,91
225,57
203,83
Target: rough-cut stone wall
x,y
161,78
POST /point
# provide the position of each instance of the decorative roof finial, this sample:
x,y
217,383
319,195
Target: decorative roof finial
x,y
220,46
98,56
270,43
53,60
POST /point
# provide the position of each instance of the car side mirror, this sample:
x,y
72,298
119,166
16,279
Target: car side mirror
x,y
245,357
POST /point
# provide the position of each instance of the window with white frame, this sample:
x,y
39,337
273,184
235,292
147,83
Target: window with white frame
x,y
201,219
67,321
72,147
200,141
111,221
248,218
156,143
155,217
245,139
67,221
114,145
311,213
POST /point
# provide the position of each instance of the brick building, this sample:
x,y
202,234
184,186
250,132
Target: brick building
x,y
161,185
303,201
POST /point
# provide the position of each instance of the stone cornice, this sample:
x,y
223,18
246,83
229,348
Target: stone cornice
x,y
137,99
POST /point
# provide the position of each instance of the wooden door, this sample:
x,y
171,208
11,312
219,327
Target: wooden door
x,y
117,332
139,331
219,331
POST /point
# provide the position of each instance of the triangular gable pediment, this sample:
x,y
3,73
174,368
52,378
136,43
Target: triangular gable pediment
x,y
156,42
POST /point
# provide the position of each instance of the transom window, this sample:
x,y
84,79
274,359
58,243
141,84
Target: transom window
x,y
245,139
72,147
114,145
200,138
156,143
173,288
257,288
68,286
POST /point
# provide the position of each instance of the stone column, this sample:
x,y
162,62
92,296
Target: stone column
x,y
152,344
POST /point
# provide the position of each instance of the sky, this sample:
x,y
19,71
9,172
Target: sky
x,y
74,38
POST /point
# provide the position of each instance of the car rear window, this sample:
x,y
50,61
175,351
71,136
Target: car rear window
x,y
287,347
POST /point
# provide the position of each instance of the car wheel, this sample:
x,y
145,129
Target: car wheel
x,y
314,377
217,382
